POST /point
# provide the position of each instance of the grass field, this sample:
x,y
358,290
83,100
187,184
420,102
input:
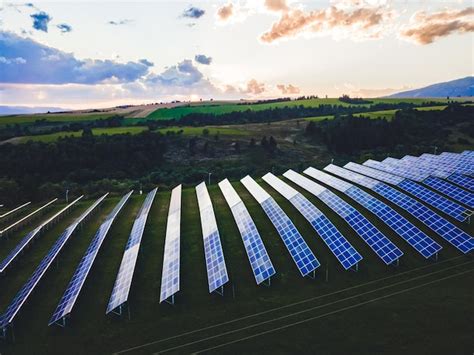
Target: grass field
x,y
96,131
72,117
379,309
177,112
187,131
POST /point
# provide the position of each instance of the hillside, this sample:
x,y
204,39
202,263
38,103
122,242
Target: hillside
x,y
456,88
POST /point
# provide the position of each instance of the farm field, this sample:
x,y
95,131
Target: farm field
x,y
315,314
53,117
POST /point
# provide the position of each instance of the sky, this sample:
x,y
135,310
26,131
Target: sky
x,y
84,54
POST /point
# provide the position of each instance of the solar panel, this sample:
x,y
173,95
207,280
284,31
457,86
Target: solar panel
x,y
345,253
426,195
72,291
16,209
22,296
301,254
16,251
463,181
170,273
378,242
123,281
257,254
423,244
454,235
217,275
25,218
450,190
453,165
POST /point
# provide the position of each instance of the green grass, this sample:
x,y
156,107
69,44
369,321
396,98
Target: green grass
x,y
96,131
19,119
194,131
388,326
218,109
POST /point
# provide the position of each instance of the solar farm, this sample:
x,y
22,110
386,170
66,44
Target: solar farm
x,y
367,253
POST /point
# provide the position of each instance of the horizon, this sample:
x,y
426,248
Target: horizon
x,y
226,50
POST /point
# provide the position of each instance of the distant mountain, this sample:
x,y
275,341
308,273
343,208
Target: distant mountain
x,y
456,88
17,110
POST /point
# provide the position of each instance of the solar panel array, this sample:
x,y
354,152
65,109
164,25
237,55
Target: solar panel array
x,y
439,202
377,241
301,254
257,254
462,180
21,297
16,209
454,164
217,275
72,291
423,244
25,218
171,259
345,253
123,281
406,167
454,235
16,251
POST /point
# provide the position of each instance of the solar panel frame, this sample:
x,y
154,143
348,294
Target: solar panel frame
x,y
387,251
260,262
71,294
23,294
342,249
302,256
123,281
217,275
28,238
170,282
448,231
418,240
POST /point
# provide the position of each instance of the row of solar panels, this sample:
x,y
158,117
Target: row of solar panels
x,y
377,178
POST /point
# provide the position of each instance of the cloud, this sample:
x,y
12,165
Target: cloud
x,y
48,65
425,28
225,12
17,60
288,90
182,74
254,87
276,5
193,12
361,21
40,21
202,59
146,62
64,27
121,22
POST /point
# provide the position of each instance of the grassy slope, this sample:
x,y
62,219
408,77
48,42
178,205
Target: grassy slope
x,y
168,113
96,131
387,326
14,119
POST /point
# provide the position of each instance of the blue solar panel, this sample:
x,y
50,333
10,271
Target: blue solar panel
x,y
171,260
22,296
423,244
451,164
462,180
30,236
456,193
217,275
123,281
71,294
345,253
259,259
454,235
379,243
426,195
302,255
